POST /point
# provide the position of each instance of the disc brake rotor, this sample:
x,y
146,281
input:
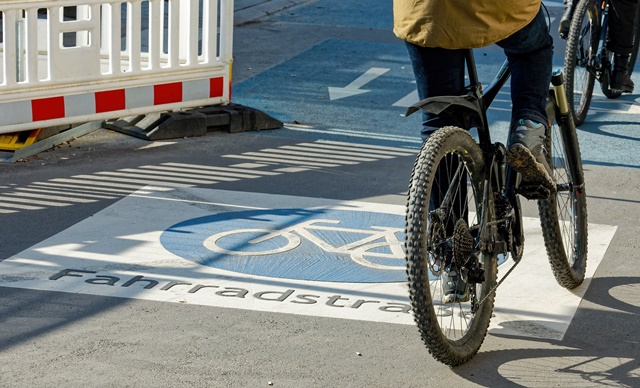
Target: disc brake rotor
x,y
436,242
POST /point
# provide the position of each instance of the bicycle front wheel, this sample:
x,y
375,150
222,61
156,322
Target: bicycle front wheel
x,y
579,62
564,214
445,197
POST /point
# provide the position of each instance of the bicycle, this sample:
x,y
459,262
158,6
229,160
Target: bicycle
x,y
475,214
587,58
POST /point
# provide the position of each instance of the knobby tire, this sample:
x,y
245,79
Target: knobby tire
x,y
452,346
564,214
582,40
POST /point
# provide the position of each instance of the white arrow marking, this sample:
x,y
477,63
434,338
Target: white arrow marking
x,y
408,100
353,89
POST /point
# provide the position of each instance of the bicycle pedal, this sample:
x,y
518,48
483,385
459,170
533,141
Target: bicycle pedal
x,y
533,191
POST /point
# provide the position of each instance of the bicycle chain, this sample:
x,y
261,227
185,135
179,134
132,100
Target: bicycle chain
x,y
491,291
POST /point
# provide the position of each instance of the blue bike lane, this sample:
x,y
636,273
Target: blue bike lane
x,y
359,90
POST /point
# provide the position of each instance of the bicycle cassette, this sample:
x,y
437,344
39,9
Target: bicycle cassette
x,y
462,242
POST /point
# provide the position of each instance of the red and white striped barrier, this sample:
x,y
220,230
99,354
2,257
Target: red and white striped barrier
x,y
55,71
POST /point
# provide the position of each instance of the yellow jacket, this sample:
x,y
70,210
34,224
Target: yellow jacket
x,y
455,24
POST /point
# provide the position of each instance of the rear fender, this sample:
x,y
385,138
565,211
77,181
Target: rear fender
x,y
465,107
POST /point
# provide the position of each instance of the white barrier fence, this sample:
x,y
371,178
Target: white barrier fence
x,y
111,59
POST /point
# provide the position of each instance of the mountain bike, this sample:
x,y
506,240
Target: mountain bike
x,y
587,58
463,213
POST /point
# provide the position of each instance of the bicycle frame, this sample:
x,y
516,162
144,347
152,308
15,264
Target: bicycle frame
x,y
472,108
603,7
598,62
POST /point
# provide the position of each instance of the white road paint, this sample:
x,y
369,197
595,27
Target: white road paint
x,y
353,89
121,246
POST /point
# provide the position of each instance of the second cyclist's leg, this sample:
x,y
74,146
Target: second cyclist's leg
x,y
530,54
622,17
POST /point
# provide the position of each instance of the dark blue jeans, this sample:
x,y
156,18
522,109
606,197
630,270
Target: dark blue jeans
x,y
622,18
440,72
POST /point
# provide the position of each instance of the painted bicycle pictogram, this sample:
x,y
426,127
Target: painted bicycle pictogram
x,y
361,251
318,244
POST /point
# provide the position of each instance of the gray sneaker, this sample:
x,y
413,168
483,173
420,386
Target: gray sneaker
x,y
528,156
454,288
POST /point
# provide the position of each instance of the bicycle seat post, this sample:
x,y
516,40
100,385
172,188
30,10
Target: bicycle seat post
x,y
475,90
474,83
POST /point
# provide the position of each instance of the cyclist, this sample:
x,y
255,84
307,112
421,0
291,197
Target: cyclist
x,y
622,24
436,32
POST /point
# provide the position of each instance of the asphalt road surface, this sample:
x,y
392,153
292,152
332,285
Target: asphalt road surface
x,y
126,262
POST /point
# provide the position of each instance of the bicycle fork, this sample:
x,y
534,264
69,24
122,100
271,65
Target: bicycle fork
x,y
564,118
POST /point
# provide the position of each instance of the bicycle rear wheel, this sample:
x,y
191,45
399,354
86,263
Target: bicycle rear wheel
x,y
441,211
564,214
579,62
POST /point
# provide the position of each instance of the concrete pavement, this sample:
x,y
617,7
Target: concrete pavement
x,y
112,205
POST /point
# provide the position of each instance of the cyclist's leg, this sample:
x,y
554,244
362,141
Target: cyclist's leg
x,y
621,24
530,54
622,18
438,72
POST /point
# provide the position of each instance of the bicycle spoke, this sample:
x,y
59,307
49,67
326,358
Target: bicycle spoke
x,y
565,203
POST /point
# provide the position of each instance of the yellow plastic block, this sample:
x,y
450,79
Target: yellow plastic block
x,y
16,140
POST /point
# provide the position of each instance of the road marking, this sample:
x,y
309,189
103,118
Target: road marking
x,y
353,89
361,134
151,246
407,100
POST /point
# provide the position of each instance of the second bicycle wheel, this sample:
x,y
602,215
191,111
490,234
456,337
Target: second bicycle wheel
x,y
442,230
579,62
564,214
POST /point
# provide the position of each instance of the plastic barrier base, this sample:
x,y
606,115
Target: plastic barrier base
x,y
16,140
194,122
